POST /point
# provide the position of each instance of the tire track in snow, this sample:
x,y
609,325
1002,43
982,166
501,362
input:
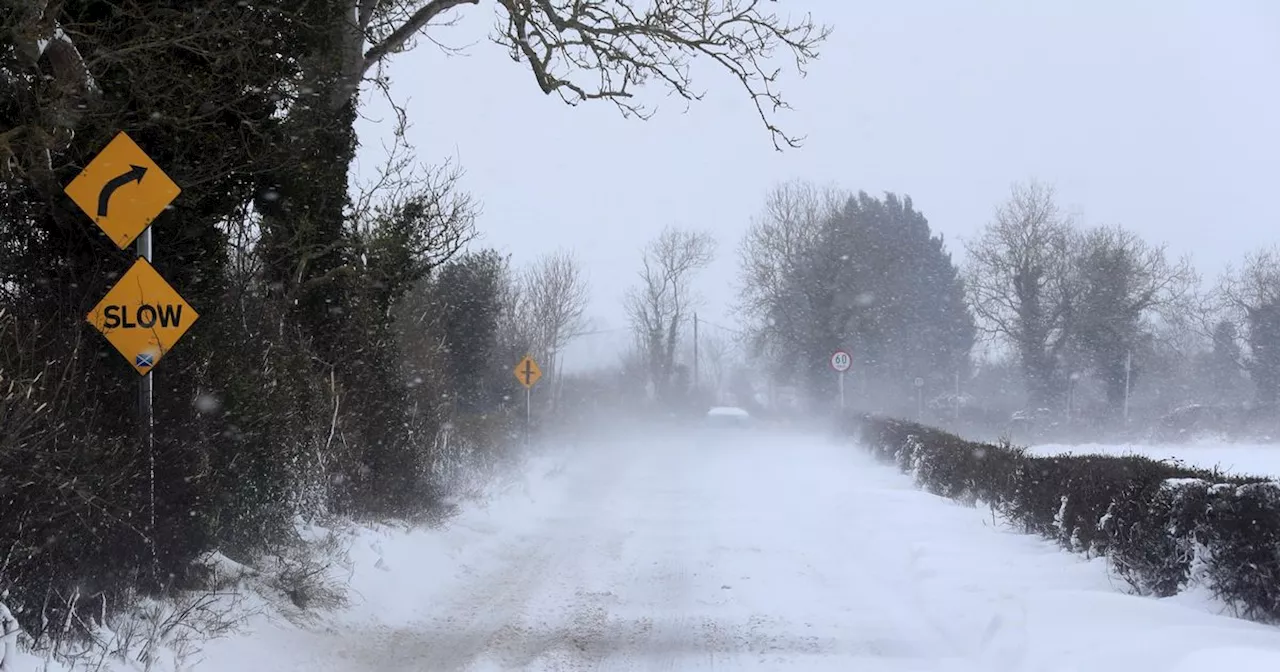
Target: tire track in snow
x,y
483,616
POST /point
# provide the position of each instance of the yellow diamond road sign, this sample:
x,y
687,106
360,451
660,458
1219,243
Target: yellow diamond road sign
x,y
527,372
122,190
142,316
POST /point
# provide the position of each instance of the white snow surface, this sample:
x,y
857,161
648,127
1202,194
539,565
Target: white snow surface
x,y
1248,459
763,552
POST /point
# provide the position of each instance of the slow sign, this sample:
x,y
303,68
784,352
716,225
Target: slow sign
x,y
142,316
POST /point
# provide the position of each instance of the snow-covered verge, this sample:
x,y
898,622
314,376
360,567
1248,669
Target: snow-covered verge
x,y
1245,459
1165,529
340,572
151,636
392,574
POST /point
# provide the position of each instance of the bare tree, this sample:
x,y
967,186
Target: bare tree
x,y
556,297
1020,284
415,223
515,328
775,251
1250,296
661,305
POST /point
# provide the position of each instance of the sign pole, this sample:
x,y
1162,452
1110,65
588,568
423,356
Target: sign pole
x,y
146,420
841,361
840,376
145,384
528,373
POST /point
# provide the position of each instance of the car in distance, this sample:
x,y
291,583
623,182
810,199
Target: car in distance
x,y
728,416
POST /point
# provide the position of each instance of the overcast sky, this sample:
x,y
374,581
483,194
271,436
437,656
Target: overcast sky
x,y
1163,117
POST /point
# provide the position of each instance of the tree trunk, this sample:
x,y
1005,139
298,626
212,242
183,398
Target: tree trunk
x,y
308,253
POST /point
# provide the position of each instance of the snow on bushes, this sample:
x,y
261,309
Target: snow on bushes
x,y
1163,527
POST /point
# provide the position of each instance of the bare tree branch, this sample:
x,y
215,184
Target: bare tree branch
x,y
400,36
621,44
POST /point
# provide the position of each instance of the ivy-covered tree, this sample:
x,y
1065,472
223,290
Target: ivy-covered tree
x,y
1122,283
1226,361
1021,285
1251,294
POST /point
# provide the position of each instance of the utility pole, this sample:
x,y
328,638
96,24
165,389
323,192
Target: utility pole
x,y
1128,365
1071,394
957,399
695,352
919,399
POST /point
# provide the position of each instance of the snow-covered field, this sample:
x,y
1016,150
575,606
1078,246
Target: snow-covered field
x,y
741,552
1233,458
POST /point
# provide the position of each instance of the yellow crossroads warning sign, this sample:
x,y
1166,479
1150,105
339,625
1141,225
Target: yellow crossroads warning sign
x,y
122,190
527,372
142,316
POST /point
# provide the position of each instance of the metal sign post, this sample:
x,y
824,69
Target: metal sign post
x,y
146,418
528,373
840,376
841,361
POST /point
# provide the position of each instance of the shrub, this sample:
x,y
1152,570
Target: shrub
x,y
1161,526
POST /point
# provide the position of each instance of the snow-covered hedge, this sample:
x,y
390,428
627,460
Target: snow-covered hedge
x,y
1163,527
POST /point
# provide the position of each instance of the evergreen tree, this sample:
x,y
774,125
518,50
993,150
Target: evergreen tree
x,y
910,316
467,298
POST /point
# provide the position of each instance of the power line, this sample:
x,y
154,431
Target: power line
x,y
602,331
735,331
594,332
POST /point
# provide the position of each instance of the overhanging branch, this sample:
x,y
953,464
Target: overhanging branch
x,y
401,35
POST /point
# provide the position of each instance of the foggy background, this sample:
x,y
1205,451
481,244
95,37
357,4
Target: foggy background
x,y
1160,117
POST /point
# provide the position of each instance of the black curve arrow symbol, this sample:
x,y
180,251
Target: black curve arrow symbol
x,y
134,174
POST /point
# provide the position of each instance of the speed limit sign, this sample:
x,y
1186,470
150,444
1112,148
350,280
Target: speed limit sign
x,y
841,361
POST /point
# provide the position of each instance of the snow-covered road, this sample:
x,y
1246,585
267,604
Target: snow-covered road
x,y
744,552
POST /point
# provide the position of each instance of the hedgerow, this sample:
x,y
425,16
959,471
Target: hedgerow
x,y
1163,527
